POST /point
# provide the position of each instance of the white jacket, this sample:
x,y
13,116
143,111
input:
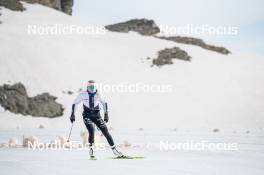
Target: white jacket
x,y
83,97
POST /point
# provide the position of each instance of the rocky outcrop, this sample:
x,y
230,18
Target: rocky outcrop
x,y
15,5
61,5
167,55
149,28
66,6
196,42
56,4
14,98
0,15
142,26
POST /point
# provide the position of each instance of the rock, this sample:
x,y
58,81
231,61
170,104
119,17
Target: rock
x,y
142,26
216,130
174,129
196,42
3,145
70,92
56,4
62,140
15,5
149,28
29,142
0,15
66,6
167,55
61,5
41,126
140,129
14,98
12,142
44,105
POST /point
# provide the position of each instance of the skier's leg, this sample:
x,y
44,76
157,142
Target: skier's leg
x,y
89,125
99,122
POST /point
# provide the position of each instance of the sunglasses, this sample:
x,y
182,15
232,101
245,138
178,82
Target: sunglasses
x,y
91,87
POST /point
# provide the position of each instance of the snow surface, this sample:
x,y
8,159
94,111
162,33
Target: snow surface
x,y
211,91
247,160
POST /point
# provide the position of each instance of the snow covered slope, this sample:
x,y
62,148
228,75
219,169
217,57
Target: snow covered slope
x,y
212,90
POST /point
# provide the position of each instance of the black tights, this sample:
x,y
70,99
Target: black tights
x,y
99,122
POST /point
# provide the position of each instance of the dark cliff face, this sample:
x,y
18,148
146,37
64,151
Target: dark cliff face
x,y
167,55
149,28
196,42
61,5
15,5
142,26
15,99
66,6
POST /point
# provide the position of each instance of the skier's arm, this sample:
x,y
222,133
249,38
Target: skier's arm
x,y
77,100
104,104
105,107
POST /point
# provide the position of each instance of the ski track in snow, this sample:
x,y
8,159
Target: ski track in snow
x,y
246,160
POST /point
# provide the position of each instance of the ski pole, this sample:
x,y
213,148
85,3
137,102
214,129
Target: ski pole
x,y
70,133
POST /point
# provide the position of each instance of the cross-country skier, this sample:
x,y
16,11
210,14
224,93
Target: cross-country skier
x,y
91,100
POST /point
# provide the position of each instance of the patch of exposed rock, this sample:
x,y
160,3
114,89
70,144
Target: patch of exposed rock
x,y
149,28
61,5
15,5
167,55
15,99
0,15
141,26
196,42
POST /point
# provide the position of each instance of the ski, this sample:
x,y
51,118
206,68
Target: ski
x,y
93,158
127,157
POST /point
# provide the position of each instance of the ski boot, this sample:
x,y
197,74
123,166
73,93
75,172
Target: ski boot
x,y
117,153
91,152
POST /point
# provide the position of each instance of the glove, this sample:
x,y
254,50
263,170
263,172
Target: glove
x,y
106,118
72,118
